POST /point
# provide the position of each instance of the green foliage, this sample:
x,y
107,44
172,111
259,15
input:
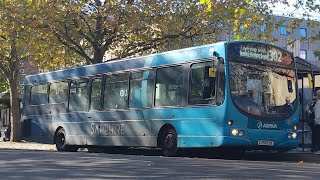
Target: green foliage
x,y
131,28
24,38
317,53
3,85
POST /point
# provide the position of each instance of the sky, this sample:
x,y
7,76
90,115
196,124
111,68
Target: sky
x,y
280,9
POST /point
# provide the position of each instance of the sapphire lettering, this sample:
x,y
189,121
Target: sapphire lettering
x,y
107,129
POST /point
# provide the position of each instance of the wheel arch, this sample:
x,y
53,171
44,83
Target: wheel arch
x,y
161,132
55,133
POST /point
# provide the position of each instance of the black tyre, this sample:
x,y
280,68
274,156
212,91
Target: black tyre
x,y
169,143
60,140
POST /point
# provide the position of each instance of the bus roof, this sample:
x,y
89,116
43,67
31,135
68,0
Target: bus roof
x,y
153,60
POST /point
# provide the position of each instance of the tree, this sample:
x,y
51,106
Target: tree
x,y
130,28
23,38
11,54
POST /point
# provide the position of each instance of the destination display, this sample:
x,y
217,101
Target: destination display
x,y
258,51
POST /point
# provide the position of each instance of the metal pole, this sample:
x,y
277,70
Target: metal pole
x,y
302,113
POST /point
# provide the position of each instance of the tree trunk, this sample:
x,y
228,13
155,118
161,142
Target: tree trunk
x,y
14,111
98,56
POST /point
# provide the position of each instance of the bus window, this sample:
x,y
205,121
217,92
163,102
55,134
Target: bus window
x,y
135,90
220,83
38,94
27,93
116,91
205,88
95,94
79,95
150,91
58,92
169,86
262,90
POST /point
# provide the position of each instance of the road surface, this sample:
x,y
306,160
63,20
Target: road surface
x,y
24,164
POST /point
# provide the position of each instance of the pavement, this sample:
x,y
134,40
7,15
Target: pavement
x,y
25,145
305,155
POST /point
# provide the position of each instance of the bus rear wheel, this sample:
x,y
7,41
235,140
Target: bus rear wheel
x,y
60,141
169,143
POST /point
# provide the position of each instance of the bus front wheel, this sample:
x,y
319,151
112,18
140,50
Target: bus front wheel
x,y
60,141
169,143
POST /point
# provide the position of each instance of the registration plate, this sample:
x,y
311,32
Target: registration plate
x,y
265,143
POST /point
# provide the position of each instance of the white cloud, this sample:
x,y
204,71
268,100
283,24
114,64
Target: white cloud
x,y
289,10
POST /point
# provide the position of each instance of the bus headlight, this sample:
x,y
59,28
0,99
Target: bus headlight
x,y
241,132
230,122
235,132
294,135
295,127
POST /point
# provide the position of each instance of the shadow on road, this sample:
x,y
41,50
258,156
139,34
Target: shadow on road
x,y
211,154
146,164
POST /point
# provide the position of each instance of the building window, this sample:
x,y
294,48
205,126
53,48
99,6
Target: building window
x,y
283,30
303,54
303,32
263,28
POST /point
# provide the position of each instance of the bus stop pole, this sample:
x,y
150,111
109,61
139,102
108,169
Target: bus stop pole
x,y
302,115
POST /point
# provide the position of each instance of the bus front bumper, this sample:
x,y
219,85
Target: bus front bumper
x,y
233,141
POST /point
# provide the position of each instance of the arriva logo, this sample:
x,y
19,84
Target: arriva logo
x,y
261,125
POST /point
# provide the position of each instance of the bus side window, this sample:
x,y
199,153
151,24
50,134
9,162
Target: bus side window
x,y
58,92
135,90
168,86
95,95
38,94
27,95
79,95
148,88
116,91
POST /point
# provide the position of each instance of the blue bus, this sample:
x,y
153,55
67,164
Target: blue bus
x,y
235,95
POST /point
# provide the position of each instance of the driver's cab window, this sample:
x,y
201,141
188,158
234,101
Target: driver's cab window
x,y
207,84
254,88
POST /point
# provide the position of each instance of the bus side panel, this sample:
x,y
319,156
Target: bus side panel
x,y
39,128
195,127
111,128
71,123
202,127
35,110
124,128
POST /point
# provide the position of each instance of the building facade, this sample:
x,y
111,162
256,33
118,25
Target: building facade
x,y
295,39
